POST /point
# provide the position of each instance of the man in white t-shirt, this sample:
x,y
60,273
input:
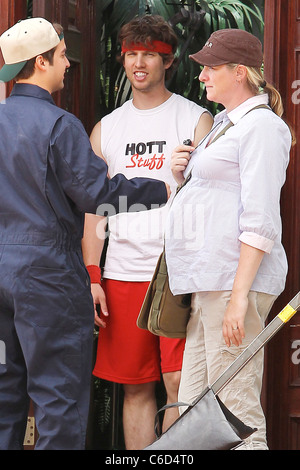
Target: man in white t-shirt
x,y
137,139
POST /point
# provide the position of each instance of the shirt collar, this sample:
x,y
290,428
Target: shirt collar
x,y
26,89
237,113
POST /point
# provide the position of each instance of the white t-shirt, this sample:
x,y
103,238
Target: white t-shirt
x,y
233,196
139,143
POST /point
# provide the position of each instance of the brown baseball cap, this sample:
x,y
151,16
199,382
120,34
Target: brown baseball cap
x,y
230,46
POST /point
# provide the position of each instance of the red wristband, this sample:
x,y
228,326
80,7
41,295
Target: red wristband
x,y
95,274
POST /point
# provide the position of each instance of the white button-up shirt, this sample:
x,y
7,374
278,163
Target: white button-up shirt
x,y
233,196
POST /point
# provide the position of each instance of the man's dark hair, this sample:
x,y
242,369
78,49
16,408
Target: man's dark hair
x,y
146,29
28,70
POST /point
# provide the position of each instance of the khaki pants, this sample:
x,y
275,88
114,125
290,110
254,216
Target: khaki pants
x,y
206,356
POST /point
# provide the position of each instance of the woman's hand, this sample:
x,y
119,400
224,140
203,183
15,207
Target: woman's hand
x,y
234,317
233,322
179,160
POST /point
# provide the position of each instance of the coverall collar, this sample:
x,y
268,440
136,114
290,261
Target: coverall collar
x,y
26,89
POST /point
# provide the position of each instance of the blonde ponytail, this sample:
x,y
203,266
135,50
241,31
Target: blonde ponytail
x,y
276,105
258,85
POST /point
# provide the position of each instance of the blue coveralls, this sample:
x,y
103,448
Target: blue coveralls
x,y
49,176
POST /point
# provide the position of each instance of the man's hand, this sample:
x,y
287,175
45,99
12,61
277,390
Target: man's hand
x,y
99,299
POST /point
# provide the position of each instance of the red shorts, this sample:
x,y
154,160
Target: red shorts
x,y
127,354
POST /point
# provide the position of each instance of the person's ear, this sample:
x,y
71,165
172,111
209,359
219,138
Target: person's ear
x,y
168,63
41,63
241,73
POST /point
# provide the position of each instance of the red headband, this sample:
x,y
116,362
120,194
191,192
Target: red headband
x,y
154,46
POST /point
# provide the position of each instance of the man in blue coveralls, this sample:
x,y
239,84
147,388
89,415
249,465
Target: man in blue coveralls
x,y
49,177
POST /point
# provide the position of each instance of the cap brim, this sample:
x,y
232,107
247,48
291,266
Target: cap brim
x,y
9,72
209,60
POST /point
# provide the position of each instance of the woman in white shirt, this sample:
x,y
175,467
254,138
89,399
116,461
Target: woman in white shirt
x,y
223,237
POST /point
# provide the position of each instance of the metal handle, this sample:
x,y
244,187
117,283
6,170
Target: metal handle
x,y
267,333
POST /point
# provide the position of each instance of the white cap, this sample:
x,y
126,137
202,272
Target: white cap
x,y
25,40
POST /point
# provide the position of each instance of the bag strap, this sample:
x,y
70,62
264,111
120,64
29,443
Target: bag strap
x,y
223,131
161,279
163,408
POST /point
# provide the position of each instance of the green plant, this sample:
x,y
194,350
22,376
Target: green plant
x,y
29,8
193,22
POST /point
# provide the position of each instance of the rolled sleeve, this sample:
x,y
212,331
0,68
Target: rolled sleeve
x,y
257,241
